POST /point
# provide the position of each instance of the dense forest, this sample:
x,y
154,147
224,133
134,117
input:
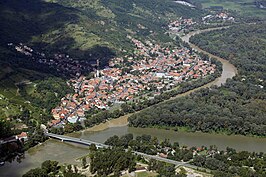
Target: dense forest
x,y
108,161
239,106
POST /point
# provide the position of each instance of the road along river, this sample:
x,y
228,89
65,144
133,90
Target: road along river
x,y
68,153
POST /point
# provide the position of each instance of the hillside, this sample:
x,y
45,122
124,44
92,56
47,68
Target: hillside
x,y
78,26
85,30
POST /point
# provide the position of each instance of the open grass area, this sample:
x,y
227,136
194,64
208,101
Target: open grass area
x,y
146,174
244,7
143,174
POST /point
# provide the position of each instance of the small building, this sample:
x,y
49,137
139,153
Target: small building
x,y
163,155
22,135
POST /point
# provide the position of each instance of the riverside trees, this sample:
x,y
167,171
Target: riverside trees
x,y
238,107
226,162
52,168
108,161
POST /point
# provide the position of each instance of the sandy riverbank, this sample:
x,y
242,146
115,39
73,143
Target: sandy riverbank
x,y
121,121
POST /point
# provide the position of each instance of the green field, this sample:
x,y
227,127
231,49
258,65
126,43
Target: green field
x,y
244,7
144,174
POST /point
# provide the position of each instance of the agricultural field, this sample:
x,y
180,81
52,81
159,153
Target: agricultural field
x,y
244,7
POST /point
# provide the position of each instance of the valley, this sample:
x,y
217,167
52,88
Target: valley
x,y
179,80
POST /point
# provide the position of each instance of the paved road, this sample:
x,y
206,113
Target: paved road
x,y
76,140
101,145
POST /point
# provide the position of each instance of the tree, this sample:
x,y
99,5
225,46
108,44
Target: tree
x,y
5,127
84,162
199,160
92,147
114,160
50,166
36,172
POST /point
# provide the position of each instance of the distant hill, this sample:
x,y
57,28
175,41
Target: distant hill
x,y
77,26
84,29
245,8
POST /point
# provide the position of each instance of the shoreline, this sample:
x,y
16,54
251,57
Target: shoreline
x,y
123,120
118,122
188,131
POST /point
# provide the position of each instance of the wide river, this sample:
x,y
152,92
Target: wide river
x,y
68,153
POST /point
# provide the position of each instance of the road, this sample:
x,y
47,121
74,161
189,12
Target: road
x,y
8,141
76,140
64,138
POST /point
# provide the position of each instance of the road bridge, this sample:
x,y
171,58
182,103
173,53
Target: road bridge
x,y
76,140
101,145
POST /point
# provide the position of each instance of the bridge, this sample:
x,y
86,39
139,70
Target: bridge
x,y
76,140
101,145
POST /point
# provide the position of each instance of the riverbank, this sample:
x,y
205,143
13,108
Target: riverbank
x,y
229,71
189,130
118,122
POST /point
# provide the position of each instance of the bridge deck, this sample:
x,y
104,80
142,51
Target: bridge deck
x,y
101,145
75,140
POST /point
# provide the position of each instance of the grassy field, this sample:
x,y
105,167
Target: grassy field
x,y
144,174
244,7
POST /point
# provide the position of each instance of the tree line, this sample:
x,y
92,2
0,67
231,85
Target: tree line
x,y
226,162
238,107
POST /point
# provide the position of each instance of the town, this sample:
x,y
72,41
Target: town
x,y
183,25
150,70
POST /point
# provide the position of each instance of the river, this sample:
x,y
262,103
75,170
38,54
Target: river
x,y
68,153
